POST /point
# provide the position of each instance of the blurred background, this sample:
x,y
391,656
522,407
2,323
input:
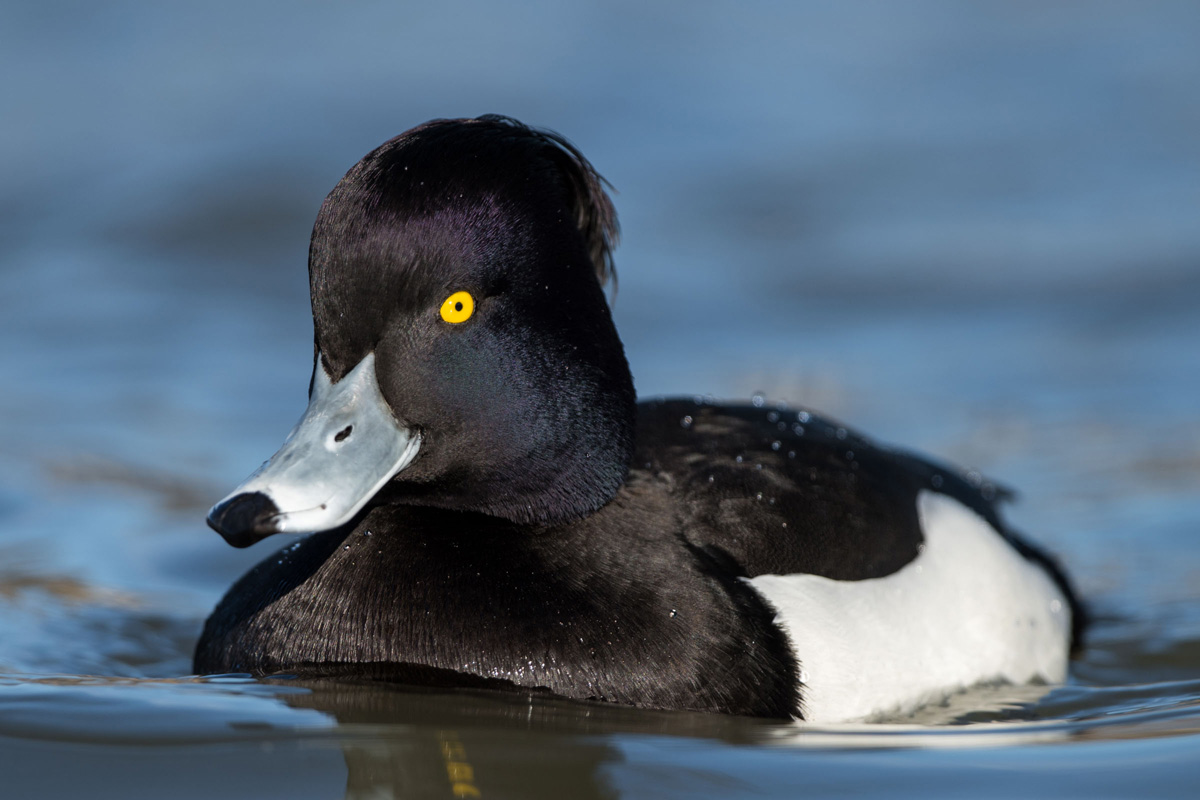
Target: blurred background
x,y
968,229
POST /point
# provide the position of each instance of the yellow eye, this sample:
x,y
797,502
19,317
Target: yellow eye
x,y
458,307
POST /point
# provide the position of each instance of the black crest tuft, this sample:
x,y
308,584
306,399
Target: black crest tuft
x,y
595,215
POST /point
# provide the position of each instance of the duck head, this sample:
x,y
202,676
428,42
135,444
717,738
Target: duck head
x,y
465,357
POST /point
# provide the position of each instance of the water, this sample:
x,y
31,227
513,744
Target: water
x,y
968,229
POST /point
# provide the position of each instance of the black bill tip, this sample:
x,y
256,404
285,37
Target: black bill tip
x,y
244,518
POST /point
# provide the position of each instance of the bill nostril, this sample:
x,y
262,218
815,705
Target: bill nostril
x,y
344,434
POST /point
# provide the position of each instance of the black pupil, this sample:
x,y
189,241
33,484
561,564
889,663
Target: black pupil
x,y
458,306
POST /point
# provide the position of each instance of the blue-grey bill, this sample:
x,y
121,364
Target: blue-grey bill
x,y
345,448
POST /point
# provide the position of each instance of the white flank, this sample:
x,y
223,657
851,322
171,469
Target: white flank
x,y
968,609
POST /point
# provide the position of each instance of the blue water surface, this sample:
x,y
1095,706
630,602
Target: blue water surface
x,y
969,229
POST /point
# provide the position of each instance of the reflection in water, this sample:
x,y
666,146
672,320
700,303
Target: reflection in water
x,y
402,741
406,742
298,739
